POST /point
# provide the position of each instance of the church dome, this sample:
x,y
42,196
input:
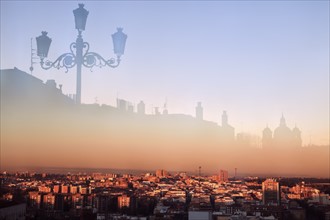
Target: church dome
x,y
282,132
267,130
296,130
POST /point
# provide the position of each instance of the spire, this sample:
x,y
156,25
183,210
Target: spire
x,y
224,118
282,121
199,111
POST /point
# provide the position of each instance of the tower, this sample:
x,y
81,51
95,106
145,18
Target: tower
x,y
199,111
271,192
282,121
296,136
223,176
224,119
165,111
267,138
228,132
141,108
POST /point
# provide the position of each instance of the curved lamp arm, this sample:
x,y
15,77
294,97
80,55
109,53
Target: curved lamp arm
x,y
67,60
91,59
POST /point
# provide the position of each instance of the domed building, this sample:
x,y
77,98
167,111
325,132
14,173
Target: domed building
x,y
267,138
283,137
297,136
282,134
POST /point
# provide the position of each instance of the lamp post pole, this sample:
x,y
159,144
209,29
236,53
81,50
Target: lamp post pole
x,y
79,54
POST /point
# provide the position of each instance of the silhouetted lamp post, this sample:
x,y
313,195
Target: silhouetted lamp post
x,y
79,51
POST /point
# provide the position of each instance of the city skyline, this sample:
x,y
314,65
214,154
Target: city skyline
x,y
53,131
186,52
161,195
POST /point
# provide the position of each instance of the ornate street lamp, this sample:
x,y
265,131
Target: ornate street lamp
x,y
43,44
79,51
80,17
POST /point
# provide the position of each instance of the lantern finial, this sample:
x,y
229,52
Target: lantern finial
x,y
80,17
43,44
119,41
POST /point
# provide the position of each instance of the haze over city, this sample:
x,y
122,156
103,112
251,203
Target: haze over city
x,y
256,60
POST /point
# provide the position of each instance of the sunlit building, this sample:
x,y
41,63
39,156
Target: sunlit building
x,y
161,173
223,176
85,190
271,192
77,201
123,201
45,189
64,189
56,188
48,201
73,189
34,199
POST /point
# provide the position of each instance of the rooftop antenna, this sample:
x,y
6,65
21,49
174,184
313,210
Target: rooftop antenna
x,y
235,173
33,56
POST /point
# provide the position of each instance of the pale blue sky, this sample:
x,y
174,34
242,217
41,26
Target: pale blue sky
x,y
255,59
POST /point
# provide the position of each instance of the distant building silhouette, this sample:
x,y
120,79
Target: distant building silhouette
x,y
267,138
19,88
227,131
141,108
130,107
161,173
271,192
165,111
283,137
199,111
157,112
122,104
296,136
223,176
282,134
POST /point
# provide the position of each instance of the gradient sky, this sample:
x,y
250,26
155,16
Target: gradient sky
x,y
255,59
